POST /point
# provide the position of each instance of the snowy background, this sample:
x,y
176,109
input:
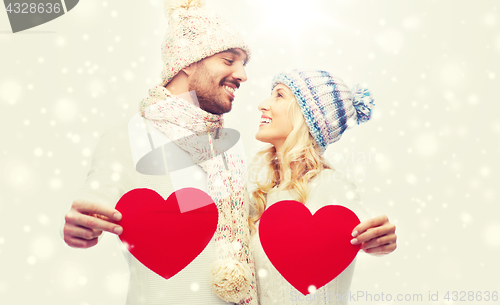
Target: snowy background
x,y
428,159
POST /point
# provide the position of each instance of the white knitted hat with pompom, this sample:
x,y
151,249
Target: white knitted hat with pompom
x,y
194,33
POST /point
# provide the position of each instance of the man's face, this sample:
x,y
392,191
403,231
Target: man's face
x,y
215,79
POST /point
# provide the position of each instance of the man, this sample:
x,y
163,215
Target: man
x,y
201,53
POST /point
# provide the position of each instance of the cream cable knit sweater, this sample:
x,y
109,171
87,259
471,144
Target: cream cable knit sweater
x,y
272,288
113,174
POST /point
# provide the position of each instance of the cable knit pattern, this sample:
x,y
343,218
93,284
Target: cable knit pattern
x,y
329,107
325,189
199,133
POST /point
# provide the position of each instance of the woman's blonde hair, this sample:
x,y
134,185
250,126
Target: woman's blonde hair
x,y
301,161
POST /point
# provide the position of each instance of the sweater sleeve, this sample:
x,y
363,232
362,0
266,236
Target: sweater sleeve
x,y
111,174
112,170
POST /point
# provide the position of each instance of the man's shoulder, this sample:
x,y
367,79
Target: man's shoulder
x,y
115,137
120,129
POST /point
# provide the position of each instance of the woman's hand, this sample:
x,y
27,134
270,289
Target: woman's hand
x,y
377,236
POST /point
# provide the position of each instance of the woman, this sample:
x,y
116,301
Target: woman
x,y
307,111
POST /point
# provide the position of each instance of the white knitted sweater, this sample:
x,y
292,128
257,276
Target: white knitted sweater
x,y
325,189
113,174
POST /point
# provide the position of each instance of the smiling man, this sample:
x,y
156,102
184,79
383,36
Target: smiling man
x,y
204,64
214,79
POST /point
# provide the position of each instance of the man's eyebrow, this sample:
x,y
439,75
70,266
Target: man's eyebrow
x,y
238,53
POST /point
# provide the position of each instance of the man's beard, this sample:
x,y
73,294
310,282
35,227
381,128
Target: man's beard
x,y
210,95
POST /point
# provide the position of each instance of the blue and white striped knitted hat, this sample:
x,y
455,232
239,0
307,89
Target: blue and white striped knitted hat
x,y
329,107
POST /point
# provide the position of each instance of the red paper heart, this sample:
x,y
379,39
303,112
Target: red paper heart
x,y
167,235
308,250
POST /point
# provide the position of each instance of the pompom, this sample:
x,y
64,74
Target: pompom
x,y
363,102
172,5
230,279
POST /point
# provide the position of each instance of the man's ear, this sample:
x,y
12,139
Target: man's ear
x,y
189,70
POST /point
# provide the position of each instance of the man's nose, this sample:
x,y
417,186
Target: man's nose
x,y
240,73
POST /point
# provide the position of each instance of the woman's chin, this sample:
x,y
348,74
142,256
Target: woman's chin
x,y
260,138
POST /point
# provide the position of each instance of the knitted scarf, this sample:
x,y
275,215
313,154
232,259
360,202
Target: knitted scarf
x,y
200,134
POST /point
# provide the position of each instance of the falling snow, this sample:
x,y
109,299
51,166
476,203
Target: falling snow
x,y
65,110
195,286
435,131
117,283
43,247
10,92
412,23
262,273
491,234
490,19
390,41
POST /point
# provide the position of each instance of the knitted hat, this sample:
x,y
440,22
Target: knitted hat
x,y
193,34
329,107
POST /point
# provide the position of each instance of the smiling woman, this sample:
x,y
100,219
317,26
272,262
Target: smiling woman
x,y
276,122
307,111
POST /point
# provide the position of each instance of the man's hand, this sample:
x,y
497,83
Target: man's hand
x,y
85,222
377,236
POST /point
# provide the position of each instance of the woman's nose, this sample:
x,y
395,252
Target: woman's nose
x,y
264,105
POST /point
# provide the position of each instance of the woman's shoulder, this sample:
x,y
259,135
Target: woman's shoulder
x,y
330,188
331,180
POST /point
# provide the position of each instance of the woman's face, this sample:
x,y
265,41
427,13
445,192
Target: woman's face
x,y
275,125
